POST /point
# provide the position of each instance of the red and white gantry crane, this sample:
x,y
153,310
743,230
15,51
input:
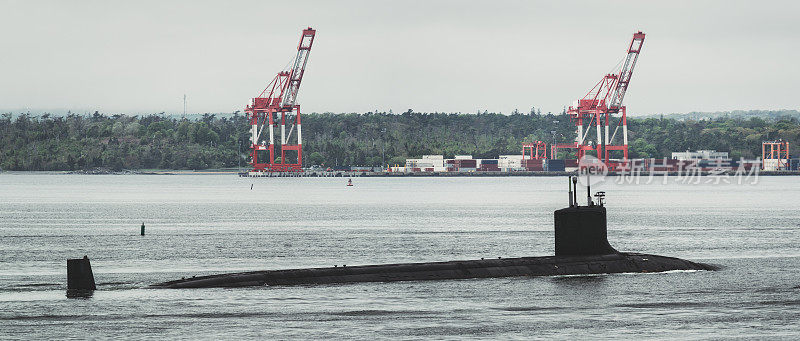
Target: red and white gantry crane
x,y
280,97
602,108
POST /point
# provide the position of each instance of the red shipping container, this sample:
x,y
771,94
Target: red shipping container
x,y
532,163
467,163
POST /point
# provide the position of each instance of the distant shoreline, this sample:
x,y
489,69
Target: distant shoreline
x,y
510,174
394,174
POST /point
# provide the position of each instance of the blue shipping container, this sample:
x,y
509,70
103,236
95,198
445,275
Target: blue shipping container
x,y
556,165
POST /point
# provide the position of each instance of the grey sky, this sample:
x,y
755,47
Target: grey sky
x,y
142,56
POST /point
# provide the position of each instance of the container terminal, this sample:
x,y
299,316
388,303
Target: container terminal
x,y
601,136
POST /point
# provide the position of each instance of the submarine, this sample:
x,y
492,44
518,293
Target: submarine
x,y
581,248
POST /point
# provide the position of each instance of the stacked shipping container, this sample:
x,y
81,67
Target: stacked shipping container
x,y
511,163
533,165
490,165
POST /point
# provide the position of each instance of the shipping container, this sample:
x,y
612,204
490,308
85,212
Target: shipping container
x,y
771,164
509,163
467,163
532,162
556,165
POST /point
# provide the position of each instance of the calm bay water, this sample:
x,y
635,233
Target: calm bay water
x,y
202,224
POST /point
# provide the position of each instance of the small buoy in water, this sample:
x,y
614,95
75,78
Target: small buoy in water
x,y
251,187
142,229
349,182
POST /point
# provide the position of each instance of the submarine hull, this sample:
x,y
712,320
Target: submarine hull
x,y
488,268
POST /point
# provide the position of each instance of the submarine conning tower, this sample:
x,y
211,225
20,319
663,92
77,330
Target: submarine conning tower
x,y
582,230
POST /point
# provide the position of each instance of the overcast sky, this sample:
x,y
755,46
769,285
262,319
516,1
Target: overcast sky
x,y
451,56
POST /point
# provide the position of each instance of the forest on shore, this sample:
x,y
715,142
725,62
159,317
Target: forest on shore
x,y
158,141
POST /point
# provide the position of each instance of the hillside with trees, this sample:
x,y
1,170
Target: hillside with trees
x,y
735,114
158,141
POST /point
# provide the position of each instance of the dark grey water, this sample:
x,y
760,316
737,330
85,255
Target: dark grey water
x,y
201,224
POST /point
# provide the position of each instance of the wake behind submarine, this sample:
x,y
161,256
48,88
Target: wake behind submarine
x,y
581,248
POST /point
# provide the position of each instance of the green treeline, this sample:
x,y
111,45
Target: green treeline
x,y
74,142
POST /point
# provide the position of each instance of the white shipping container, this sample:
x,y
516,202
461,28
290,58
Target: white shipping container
x,y
421,163
437,163
412,162
773,164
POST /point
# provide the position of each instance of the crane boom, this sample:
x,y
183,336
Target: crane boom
x,y
626,72
298,68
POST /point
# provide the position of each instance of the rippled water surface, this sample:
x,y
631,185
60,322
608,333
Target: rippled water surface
x,y
202,224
